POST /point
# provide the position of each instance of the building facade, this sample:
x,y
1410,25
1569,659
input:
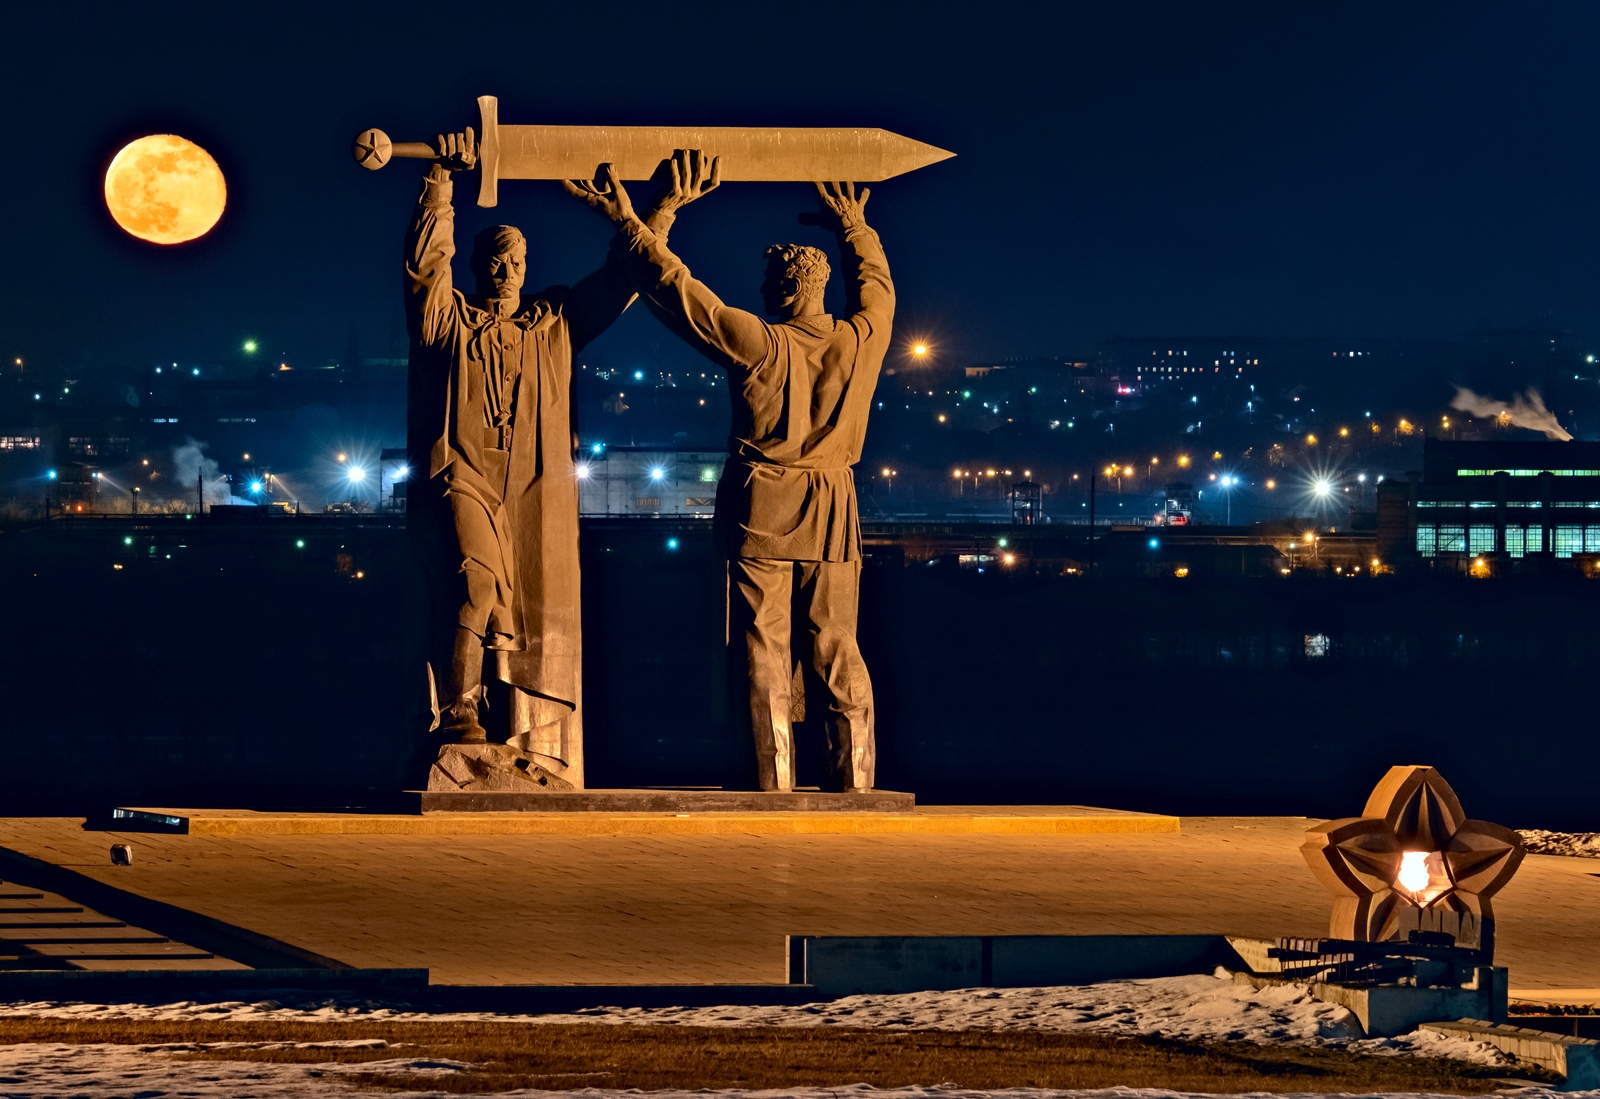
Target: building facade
x,y
1517,499
649,482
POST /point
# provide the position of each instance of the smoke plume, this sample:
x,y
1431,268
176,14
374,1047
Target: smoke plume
x,y
191,462
1525,410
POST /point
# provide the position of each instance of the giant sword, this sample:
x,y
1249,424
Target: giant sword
x,y
748,152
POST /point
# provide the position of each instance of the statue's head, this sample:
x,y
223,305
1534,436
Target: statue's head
x,y
797,275
499,260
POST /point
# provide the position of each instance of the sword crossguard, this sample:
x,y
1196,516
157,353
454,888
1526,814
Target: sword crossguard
x,y
373,149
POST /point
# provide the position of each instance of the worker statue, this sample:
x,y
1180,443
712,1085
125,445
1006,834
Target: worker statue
x,y
786,505
495,516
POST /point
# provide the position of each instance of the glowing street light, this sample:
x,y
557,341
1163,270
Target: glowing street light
x,y
249,347
1322,487
919,350
356,474
657,473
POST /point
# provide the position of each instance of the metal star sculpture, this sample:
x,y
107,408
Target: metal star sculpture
x,y
1413,862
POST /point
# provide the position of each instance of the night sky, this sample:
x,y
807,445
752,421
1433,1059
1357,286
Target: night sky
x,y
1123,169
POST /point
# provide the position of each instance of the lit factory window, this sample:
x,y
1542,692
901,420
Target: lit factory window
x,y
1568,540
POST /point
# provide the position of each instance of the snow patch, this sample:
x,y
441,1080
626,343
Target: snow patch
x,y
1537,841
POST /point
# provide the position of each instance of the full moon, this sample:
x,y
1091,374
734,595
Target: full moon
x,y
165,189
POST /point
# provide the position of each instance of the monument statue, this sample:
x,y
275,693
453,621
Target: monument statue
x,y
495,519
786,515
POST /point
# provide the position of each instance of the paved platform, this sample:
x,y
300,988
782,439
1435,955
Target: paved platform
x,y
1041,820
650,908
648,800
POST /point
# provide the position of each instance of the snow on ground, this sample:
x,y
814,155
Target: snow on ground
x,y
1203,1007
1540,842
51,1071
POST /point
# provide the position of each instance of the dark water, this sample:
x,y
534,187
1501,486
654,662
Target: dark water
x,y
244,669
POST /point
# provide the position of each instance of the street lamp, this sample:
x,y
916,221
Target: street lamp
x,y
356,475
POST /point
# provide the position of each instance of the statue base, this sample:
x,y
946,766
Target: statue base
x,y
550,800
469,769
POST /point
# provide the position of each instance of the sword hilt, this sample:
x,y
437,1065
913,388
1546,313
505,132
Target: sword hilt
x,y
373,150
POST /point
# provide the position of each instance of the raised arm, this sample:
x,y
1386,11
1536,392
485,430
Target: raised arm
x,y
431,244
684,303
870,293
688,306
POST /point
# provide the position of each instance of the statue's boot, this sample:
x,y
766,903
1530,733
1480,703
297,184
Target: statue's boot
x,y
459,724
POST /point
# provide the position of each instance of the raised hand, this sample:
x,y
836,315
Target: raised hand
x,y
693,176
842,210
608,199
458,152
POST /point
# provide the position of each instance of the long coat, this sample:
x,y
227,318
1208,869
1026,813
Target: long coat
x,y
479,381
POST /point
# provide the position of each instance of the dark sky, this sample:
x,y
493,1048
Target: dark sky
x,y
1123,169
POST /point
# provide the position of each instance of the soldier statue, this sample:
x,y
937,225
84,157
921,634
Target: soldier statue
x,y
494,504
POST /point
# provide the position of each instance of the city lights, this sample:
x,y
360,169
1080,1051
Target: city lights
x,y
249,347
356,474
582,470
657,473
672,543
1322,487
919,350
256,487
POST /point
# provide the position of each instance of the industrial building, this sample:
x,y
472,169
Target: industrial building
x,y
1520,500
649,481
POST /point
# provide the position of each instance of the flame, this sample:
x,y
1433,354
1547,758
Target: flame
x,y
1414,871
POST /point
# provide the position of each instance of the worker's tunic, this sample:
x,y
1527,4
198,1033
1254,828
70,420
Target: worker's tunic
x,y
786,506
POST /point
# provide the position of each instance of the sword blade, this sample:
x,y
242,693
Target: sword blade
x,y
748,153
